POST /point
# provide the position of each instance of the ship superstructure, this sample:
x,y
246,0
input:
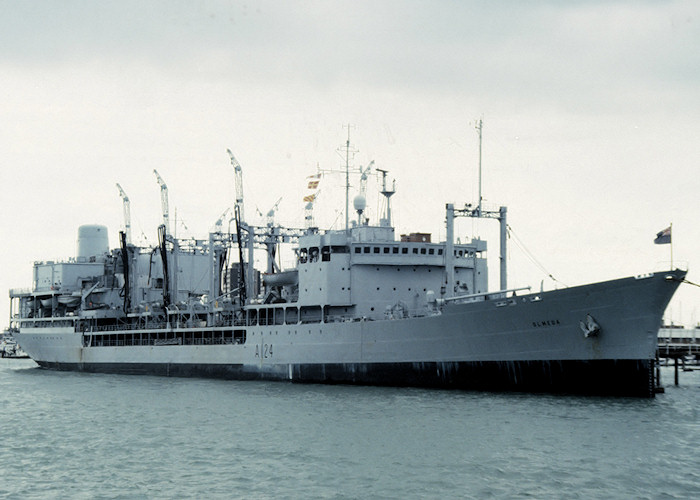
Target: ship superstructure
x,y
361,306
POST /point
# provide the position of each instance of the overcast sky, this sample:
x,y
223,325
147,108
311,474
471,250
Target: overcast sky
x,y
591,116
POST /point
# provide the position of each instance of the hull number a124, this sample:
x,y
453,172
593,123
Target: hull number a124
x,y
263,351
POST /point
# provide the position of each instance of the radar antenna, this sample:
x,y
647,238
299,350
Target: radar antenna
x,y
386,219
360,201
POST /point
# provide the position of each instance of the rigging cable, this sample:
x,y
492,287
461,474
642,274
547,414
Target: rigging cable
x,y
689,282
530,256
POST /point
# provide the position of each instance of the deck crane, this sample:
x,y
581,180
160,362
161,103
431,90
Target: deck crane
x,y
239,183
364,173
271,213
125,241
218,226
127,213
164,201
170,286
309,210
271,243
238,215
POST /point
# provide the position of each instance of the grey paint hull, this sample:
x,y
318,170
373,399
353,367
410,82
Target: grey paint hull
x,y
531,343
591,377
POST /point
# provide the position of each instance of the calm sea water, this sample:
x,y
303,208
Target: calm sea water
x,y
72,435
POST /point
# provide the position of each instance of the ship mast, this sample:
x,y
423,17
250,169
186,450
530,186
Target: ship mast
x,y
348,151
347,181
479,127
480,213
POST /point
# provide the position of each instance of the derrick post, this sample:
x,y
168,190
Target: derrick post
x,y
450,249
504,235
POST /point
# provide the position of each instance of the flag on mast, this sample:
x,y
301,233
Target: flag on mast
x,y
312,185
663,237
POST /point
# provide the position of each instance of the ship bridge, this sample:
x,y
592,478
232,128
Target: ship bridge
x,y
366,271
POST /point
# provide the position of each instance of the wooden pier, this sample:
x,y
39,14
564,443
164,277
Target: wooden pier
x,y
678,346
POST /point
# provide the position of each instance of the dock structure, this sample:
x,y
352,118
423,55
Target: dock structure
x,y
679,346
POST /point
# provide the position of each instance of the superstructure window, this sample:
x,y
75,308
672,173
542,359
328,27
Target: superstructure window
x,y
313,254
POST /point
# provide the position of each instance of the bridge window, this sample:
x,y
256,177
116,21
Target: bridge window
x,y
313,254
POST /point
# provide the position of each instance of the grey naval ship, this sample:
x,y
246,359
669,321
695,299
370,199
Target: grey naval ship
x,y
361,306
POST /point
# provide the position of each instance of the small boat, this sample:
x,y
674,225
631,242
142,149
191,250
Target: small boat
x,y
10,349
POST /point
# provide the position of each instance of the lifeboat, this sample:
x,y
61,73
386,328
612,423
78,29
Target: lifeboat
x,y
290,277
69,300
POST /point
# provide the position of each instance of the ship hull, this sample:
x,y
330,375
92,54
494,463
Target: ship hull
x,y
534,343
586,377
